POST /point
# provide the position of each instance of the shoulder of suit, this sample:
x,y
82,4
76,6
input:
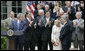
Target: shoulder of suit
x,y
7,18
74,19
15,18
82,20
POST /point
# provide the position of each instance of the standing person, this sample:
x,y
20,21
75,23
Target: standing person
x,y
65,33
55,35
19,25
78,33
46,34
29,35
39,27
9,20
70,10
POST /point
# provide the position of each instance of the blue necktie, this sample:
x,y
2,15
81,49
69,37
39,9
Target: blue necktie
x,y
18,25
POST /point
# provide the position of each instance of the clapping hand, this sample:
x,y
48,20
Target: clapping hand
x,y
35,25
48,23
75,23
30,23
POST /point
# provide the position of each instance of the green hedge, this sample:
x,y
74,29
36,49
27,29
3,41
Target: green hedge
x,y
3,43
3,40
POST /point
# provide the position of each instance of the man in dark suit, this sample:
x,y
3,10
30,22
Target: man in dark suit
x,y
46,35
29,34
19,25
70,10
65,33
39,27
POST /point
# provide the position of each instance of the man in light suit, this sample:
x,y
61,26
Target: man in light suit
x,y
19,25
9,20
78,33
7,23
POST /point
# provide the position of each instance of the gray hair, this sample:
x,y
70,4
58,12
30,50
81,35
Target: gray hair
x,y
12,12
19,15
78,13
64,17
41,10
46,5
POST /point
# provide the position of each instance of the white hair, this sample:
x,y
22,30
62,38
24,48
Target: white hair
x,y
41,10
78,13
46,6
19,15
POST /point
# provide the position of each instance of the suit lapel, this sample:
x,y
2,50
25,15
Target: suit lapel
x,y
15,23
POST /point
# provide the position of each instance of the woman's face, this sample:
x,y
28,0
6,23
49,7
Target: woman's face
x,y
79,9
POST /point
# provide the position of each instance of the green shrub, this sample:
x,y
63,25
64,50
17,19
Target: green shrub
x,y
3,43
3,40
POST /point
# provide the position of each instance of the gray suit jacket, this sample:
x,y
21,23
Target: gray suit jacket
x,y
80,30
8,22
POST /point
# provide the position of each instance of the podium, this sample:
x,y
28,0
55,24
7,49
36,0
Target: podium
x,y
11,35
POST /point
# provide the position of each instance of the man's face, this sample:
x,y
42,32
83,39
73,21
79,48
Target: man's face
x,y
41,14
29,15
47,14
47,8
12,15
78,16
22,17
62,20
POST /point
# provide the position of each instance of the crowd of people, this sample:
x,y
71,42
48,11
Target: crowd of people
x,y
52,24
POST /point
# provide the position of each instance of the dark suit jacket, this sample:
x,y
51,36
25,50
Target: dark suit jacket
x,y
29,33
36,13
65,34
46,34
40,27
71,14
